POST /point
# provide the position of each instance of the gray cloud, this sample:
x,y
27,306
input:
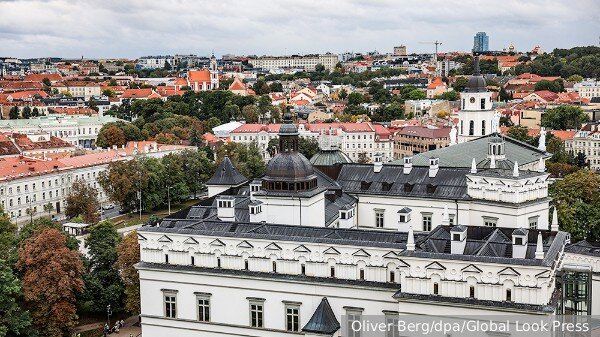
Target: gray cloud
x,y
132,28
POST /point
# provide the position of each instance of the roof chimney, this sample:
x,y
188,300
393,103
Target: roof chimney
x,y
554,226
473,166
226,208
458,236
516,170
434,167
407,165
539,248
410,241
519,243
377,162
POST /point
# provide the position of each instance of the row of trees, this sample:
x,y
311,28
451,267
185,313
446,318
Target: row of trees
x,y
175,176
45,283
582,61
26,113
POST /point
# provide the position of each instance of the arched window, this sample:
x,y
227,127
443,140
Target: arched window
x,y
471,128
483,128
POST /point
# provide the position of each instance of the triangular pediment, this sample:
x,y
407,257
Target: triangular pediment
x,y
272,246
141,237
331,251
217,242
508,271
544,274
390,255
190,241
301,249
361,253
164,238
435,266
471,269
245,244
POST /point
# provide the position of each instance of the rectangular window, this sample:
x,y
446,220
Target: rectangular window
x,y
427,222
519,241
472,291
391,323
508,295
256,314
490,222
436,288
379,219
353,316
203,308
292,318
170,301
361,274
192,261
392,276
332,271
533,222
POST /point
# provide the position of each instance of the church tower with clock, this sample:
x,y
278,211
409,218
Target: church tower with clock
x,y
476,116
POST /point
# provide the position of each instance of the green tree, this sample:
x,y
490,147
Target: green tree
x,y
197,169
246,158
46,82
14,321
35,112
82,201
14,113
575,78
355,98
122,180
577,198
110,135
26,113
103,284
128,255
460,84
417,94
343,94
564,117
521,133
250,113
554,86
449,95
49,207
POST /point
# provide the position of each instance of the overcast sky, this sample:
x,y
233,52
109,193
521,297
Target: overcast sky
x,y
133,28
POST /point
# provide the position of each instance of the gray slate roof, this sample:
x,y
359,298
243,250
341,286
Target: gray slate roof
x,y
226,174
323,320
584,248
461,155
449,183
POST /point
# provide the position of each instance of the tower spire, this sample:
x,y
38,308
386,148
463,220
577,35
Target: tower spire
x,y
476,71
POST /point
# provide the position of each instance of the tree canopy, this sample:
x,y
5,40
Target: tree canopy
x,y
564,117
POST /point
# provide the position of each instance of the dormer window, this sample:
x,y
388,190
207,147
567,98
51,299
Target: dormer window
x,y
456,237
519,241
255,209
404,215
346,214
364,185
385,186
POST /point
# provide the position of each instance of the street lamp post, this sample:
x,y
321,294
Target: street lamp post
x,y
108,313
169,198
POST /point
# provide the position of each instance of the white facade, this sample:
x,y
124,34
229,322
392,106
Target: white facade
x,y
37,188
155,62
587,89
307,62
351,138
588,143
80,131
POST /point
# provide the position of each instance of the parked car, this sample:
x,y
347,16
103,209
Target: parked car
x,y
108,206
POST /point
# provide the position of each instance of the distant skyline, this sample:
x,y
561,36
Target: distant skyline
x,y
134,28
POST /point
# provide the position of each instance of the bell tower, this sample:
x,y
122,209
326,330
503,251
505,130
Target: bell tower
x,y
476,115
214,73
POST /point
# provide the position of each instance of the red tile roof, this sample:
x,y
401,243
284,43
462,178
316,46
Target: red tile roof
x,y
20,166
40,77
199,75
437,82
140,93
73,111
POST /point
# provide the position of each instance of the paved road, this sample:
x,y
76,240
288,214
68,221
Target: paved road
x,y
111,213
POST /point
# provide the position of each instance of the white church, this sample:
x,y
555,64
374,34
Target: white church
x,y
305,249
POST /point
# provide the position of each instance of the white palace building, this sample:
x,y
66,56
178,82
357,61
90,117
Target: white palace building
x,y
295,252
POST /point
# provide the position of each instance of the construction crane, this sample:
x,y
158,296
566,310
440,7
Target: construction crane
x,y
436,43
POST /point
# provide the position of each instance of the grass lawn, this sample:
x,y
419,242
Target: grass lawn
x,y
133,219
